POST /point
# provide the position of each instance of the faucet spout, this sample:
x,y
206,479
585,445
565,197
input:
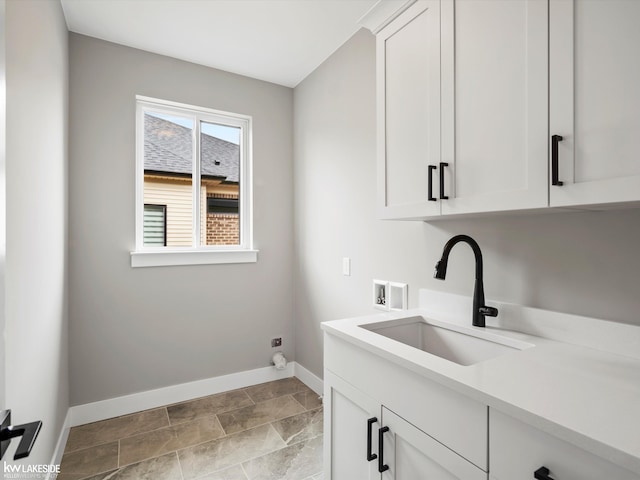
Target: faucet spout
x,y
480,310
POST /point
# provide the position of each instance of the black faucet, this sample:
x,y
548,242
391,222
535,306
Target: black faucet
x,y
480,310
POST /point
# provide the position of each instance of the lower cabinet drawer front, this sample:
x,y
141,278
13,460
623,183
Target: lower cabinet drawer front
x,y
517,450
451,418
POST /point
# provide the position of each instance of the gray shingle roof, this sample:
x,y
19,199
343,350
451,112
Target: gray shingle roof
x,y
168,149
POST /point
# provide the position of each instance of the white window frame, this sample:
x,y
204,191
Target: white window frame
x,y
147,256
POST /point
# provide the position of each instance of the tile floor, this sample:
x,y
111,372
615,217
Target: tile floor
x,y
264,432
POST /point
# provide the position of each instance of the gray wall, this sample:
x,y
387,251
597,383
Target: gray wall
x,y
3,199
133,330
36,222
582,263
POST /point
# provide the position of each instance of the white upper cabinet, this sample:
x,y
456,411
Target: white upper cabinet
x,y
494,105
500,105
462,108
408,84
595,101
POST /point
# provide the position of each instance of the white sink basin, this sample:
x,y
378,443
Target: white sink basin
x,y
464,346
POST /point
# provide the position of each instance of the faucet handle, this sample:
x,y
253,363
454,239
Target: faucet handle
x,y
488,311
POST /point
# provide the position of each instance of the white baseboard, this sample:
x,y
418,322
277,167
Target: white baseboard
x,y
115,407
311,380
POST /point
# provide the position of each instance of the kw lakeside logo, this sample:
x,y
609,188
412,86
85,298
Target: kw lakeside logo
x,y
30,471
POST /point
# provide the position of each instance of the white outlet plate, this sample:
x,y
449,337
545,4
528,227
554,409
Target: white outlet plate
x,y
346,266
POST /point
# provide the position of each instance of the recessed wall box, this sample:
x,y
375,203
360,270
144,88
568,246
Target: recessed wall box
x,y
397,296
380,290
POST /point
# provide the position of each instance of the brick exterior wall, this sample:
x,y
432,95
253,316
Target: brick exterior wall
x,y
223,228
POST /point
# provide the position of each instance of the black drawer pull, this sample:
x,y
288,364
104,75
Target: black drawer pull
x,y
430,196
555,139
370,456
381,466
542,474
442,195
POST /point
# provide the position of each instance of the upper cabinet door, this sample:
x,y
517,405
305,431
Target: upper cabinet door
x,y
408,83
595,100
494,105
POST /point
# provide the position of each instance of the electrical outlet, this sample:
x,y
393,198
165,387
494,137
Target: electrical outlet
x,y
276,342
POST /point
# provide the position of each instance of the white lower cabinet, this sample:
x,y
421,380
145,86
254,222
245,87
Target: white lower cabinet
x,y
365,440
518,451
351,417
410,454
384,421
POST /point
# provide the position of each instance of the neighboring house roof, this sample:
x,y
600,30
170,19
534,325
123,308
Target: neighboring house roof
x,y
167,149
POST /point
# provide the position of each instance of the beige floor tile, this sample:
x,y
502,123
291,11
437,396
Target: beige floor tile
x,y
165,467
300,427
205,406
168,439
110,475
106,431
267,391
259,414
295,462
228,451
234,473
308,398
88,462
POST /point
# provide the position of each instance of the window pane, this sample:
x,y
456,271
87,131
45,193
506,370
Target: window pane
x,y
168,163
220,184
154,226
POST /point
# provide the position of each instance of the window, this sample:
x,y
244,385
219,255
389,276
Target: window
x,y
193,185
155,225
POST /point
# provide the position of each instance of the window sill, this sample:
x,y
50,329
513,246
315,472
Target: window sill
x,y
191,257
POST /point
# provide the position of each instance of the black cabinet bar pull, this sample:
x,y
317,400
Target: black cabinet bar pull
x,y
370,456
381,466
542,474
555,139
430,197
28,432
442,195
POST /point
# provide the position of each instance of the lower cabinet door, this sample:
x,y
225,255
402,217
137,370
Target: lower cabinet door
x,y
411,454
520,452
350,419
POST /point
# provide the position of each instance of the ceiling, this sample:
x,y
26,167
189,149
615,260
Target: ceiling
x,y
280,41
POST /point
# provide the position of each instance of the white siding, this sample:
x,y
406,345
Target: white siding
x,y
178,197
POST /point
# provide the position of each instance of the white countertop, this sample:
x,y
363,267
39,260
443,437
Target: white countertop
x,y
587,394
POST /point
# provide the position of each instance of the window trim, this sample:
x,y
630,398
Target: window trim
x,y
147,256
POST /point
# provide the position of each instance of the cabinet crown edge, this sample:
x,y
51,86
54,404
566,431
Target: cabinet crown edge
x,y
382,13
